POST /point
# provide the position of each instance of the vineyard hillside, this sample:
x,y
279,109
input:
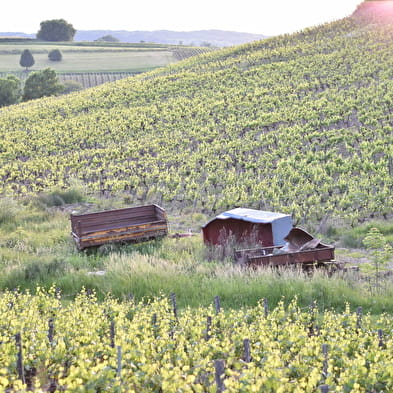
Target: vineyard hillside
x,y
297,123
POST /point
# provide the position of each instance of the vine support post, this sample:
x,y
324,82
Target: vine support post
x,y
219,367
247,350
19,358
217,304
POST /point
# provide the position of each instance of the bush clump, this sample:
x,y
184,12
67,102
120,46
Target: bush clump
x,y
71,86
8,210
59,197
55,55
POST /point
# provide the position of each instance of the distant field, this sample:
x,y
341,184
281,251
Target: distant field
x,y
17,48
89,61
94,57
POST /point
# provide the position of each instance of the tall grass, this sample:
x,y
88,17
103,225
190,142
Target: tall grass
x,y
198,283
8,210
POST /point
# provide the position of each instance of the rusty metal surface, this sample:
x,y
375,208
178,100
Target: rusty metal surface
x,y
120,225
300,257
298,239
301,248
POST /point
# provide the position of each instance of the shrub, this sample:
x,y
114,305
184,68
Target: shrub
x,y
55,55
42,84
71,86
57,197
60,198
10,91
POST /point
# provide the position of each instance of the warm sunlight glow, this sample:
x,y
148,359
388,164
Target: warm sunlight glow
x,y
383,10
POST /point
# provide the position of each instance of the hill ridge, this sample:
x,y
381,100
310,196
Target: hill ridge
x,y
298,123
214,37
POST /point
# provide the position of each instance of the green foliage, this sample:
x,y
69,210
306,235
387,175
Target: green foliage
x,y
149,347
380,250
55,55
61,197
10,90
353,237
71,86
26,59
56,30
41,84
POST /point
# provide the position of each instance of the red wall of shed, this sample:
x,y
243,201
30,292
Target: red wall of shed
x,y
217,232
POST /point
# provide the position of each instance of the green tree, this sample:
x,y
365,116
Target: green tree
x,y
55,55
26,59
10,91
41,84
56,30
379,249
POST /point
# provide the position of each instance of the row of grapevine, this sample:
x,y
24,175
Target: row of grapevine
x,y
86,79
91,79
181,53
83,345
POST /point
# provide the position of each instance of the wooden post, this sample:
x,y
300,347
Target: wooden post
x,y
380,338
174,305
217,304
119,356
325,350
247,351
219,375
19,358
208,327
112,334
154,324
51,331
265,307
359,312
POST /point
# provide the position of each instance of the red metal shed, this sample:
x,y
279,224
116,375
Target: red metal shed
x,y
248,225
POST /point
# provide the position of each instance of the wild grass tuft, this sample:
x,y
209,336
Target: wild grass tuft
x,y
9,209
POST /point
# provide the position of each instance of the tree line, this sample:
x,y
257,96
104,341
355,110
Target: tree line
x,y
38,84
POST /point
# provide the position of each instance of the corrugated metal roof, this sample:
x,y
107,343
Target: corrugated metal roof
x,y
251,215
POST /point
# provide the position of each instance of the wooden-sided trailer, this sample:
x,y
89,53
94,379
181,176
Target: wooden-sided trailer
x,y
132,224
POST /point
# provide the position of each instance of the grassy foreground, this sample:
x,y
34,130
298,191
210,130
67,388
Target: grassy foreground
x,y
36,249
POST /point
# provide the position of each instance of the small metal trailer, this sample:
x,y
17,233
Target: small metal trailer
x,y
301,249
134,224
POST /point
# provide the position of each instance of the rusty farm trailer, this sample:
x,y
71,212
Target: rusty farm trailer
x,y
132,224
301,249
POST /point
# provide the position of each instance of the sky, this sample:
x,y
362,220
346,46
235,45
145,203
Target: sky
x,y
251,16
